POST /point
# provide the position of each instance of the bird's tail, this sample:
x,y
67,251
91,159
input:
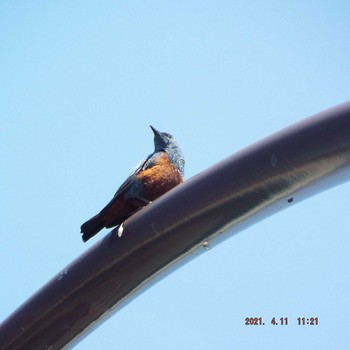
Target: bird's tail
x,y
91,227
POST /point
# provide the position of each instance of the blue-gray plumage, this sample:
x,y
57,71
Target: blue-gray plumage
x,y
158,173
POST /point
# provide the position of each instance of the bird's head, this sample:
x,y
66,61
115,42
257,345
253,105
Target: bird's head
x,y
164,141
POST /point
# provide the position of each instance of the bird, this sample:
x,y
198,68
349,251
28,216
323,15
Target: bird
x,y
161,171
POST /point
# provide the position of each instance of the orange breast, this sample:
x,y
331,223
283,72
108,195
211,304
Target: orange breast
x,y
159,179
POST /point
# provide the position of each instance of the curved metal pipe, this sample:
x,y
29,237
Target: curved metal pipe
x,y
301,160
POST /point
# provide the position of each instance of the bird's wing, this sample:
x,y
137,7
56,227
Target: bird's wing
x,y
151,160
147,163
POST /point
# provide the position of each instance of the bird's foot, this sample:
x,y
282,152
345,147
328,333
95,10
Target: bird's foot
x,y
120,230
144,200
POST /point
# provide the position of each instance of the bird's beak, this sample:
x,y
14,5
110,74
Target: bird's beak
x,y
155,131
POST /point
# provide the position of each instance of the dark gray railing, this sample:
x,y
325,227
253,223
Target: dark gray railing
x,y
283,169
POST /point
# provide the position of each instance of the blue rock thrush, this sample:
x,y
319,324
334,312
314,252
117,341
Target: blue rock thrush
x,y
158,173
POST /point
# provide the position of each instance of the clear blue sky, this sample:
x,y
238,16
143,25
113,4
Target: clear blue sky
x,y
79,84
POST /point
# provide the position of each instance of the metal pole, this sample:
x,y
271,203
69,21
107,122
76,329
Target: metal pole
x,y
299,161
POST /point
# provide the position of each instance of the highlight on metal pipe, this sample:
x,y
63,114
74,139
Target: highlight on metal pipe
x,y
291,165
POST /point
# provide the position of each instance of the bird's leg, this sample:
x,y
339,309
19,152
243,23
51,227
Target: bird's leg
x,y
143,200
120,230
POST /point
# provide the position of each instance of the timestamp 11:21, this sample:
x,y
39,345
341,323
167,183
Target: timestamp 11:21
x,y
282,321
